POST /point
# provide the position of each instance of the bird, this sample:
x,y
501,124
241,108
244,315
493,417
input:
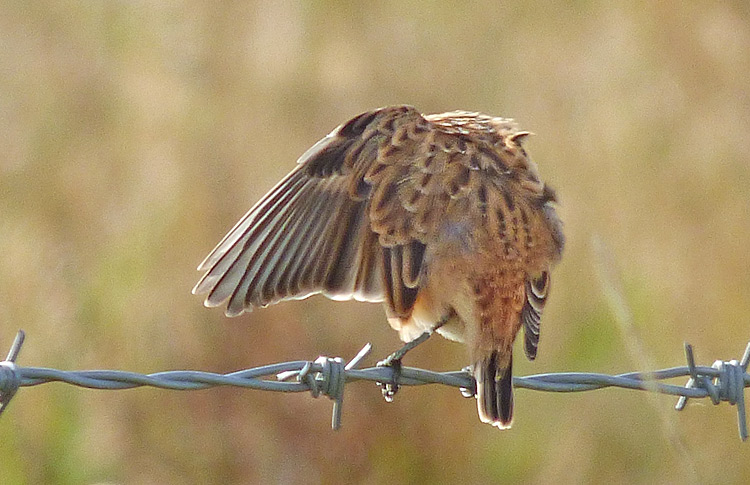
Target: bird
x,y
441,217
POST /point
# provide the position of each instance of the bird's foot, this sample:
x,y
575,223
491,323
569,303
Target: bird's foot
x,y
393,361
389,389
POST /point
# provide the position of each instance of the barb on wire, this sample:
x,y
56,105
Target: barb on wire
x,y
723,381
9,375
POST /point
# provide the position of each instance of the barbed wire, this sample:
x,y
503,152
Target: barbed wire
x,y
724,381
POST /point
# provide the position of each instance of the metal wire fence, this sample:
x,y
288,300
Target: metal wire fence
x,y
723,381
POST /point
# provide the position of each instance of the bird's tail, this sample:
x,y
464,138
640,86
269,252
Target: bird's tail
x,y
495,390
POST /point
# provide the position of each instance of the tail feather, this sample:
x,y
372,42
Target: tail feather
x,y
495,391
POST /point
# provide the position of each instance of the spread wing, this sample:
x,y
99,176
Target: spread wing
x,y
313,233
356,216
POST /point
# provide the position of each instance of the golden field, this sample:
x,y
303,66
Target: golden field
x,y
135,134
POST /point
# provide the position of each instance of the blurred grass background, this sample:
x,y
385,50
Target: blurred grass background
x,y
133,135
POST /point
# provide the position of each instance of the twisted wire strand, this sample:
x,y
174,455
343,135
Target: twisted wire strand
x,y
723,381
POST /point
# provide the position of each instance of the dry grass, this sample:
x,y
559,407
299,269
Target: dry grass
x,y
135,134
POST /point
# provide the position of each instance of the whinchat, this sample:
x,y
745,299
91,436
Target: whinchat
x,y
442,217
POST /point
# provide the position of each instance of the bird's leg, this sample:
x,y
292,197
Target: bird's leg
x,y
393,361
400,353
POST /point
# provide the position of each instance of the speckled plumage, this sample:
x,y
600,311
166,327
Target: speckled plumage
x,y
442,217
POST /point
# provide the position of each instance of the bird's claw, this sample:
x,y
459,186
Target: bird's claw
x,y
389,389
393,361
469,392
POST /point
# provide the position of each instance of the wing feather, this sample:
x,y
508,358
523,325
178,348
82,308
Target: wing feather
x,y
399,297
531,314
292,261
222,259
240,229
368,284
412,258
260,256
230,273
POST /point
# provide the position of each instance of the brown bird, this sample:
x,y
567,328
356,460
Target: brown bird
x,y
442,217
